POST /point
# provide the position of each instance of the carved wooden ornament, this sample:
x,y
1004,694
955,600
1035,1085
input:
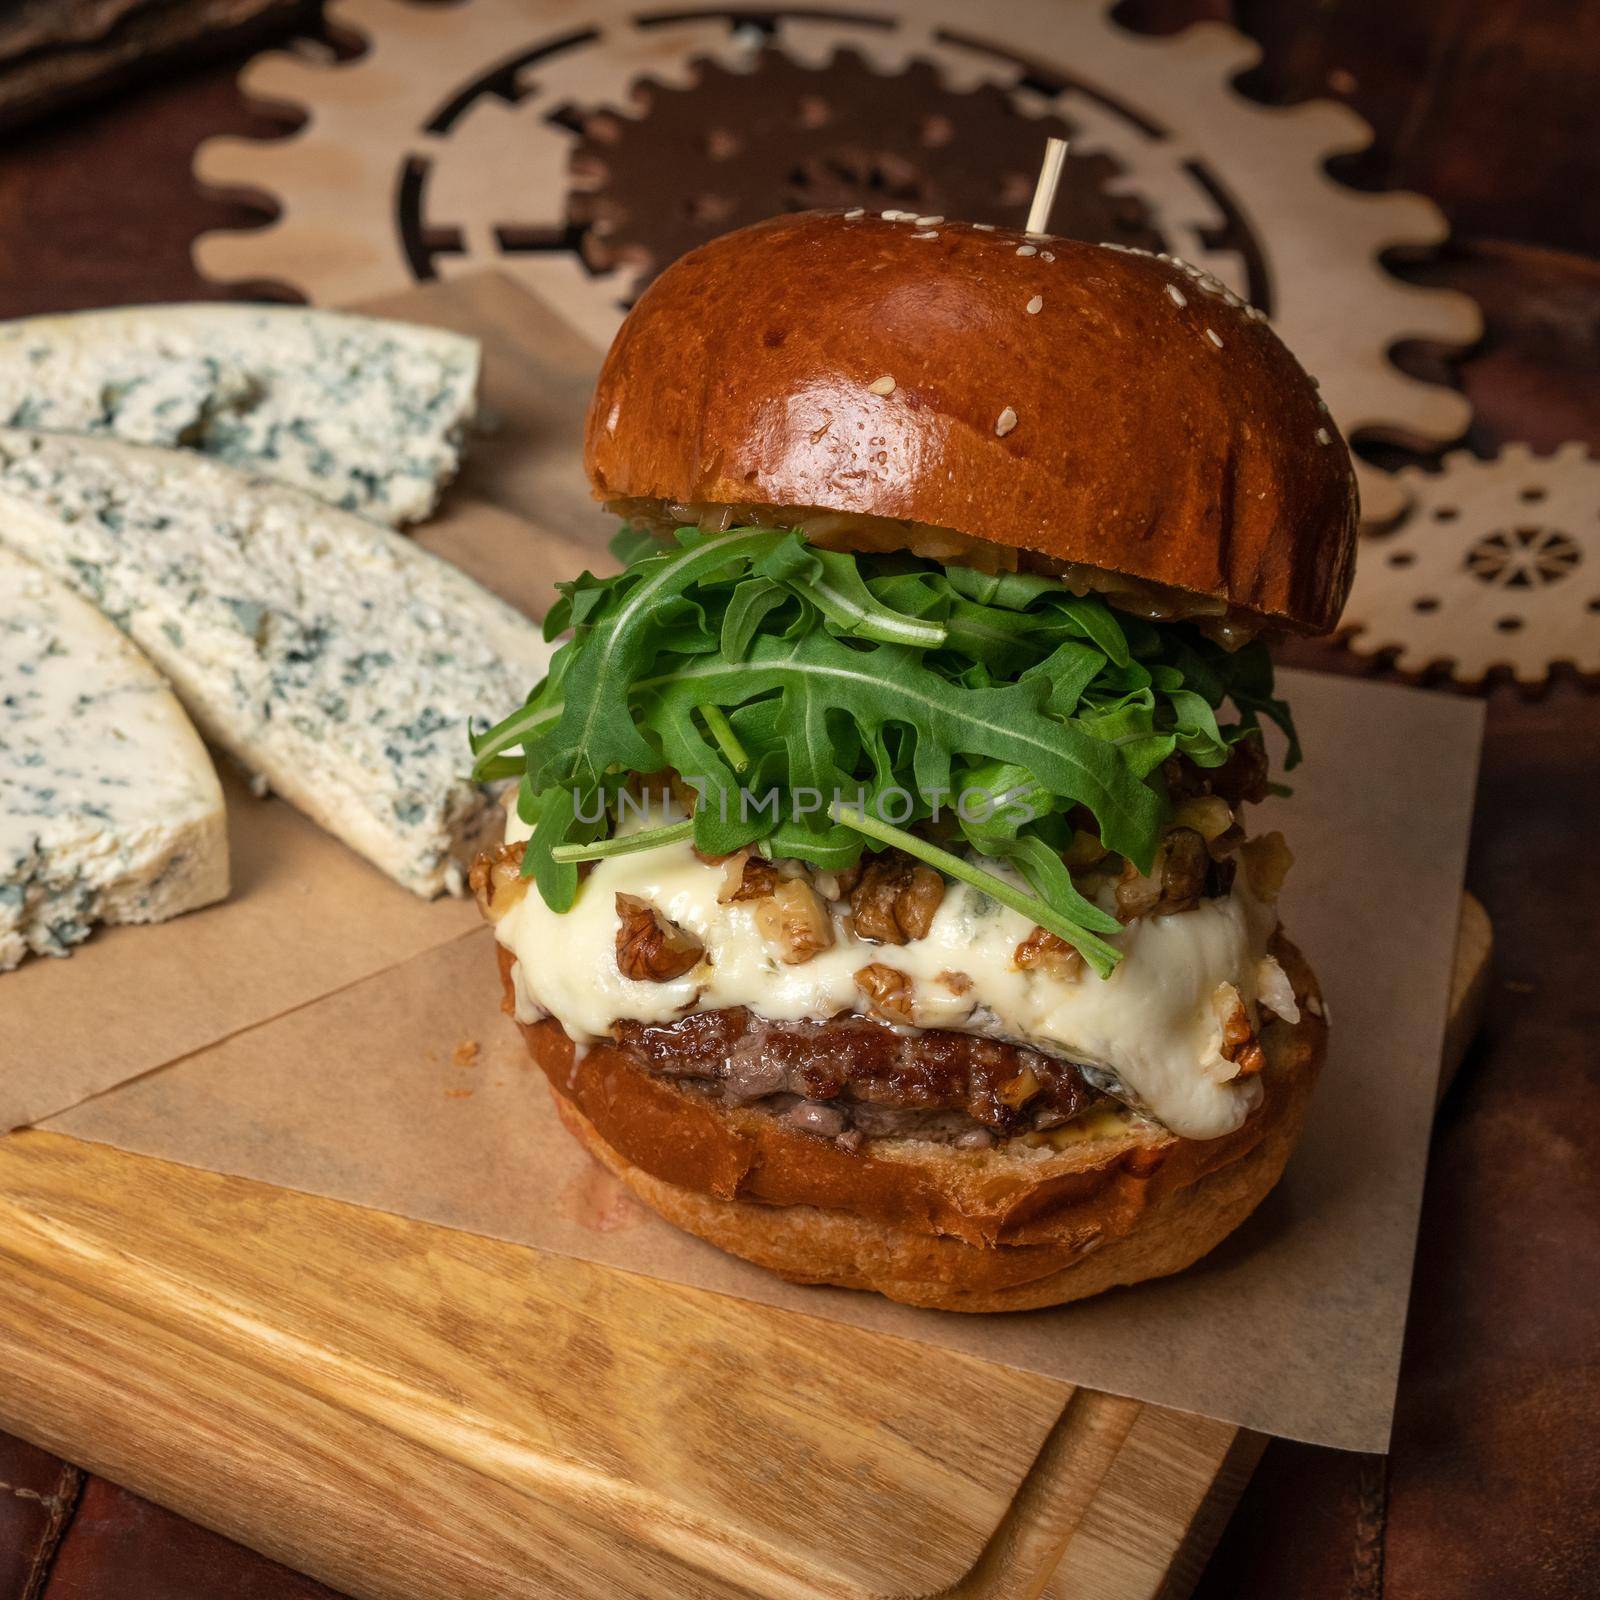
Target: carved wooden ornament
x,y
1494,564
584,155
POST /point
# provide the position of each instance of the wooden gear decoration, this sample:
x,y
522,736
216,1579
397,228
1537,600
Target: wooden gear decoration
x,y
474,134
1494,564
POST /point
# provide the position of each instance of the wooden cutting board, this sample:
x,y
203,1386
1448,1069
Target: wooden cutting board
x,y
410,1412
413,1413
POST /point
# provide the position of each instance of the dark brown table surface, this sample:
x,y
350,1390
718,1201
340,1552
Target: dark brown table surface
x,y
1492,1487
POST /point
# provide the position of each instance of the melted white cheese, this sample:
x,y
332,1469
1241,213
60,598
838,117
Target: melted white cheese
x,y
1150,1026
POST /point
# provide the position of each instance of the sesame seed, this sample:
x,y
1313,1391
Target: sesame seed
x,y
1005,422
984,227
898,216
1324,437
1214,337
1176,295
1027,249
1036,305
928,222
1047,255
860,211
930,234
883,385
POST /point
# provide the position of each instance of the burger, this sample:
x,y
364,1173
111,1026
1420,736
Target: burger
x,y
880,896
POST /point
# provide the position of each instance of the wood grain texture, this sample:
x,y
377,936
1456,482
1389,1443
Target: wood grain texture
x,y
1486,106
341,233
405,1411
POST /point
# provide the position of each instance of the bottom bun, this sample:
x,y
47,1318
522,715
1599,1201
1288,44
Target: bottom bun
x,y
1005,1229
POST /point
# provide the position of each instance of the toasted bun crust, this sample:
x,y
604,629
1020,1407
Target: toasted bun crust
x,y
996,1230
1160,430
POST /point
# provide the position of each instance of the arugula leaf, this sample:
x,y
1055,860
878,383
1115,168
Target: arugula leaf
x,y
552,814
751,604
885,683
832,582
1019,591
1069,670
1011,591
629,543
596,724
752,658
578,599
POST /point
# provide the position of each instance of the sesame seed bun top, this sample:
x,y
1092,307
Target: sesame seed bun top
x,y
1088,403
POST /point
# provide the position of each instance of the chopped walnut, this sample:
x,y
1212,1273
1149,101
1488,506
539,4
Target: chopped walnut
x,y
1275,991
844,882
1138,893
746,876
1208,814
1184,778
1175,882
1043,951
888,989
1239,1044
896,899
1243,776
651,949
1267,860
1085,851
661,788
1226,843
793,918
956,982
1183,871
496,880
920,902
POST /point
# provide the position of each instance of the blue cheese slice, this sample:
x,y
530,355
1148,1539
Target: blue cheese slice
x,y
338,661
364,413
110,809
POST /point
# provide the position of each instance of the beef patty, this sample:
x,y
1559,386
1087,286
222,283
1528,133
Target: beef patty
x,y
872,1078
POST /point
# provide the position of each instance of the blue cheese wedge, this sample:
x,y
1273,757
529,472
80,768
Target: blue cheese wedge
x,y
366,414
336,660
110,809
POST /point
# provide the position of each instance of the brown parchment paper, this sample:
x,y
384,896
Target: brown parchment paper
x,y
327,1031
409,1091
305,916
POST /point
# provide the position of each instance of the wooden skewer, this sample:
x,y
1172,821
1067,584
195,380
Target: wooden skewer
x,y
1044,191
